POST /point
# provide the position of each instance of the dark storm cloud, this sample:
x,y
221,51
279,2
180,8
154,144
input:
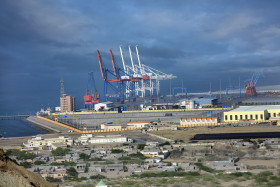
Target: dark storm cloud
x,y
199,41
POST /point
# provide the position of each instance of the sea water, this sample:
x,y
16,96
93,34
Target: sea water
x,y
17,128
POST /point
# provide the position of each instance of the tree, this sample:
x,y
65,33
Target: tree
x,y
113,151
51,179
39,162
87,167
21,155
141,146
72,172
98,176
26,164
60,151
84,156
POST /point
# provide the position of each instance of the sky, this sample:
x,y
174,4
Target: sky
x,y
199,41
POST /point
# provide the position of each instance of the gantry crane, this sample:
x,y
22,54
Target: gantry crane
x,y
250,84
92,95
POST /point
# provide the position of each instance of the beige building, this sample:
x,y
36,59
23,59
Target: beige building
x,y
88,138
192,122
137,124
67,103
256,113
39,141
105,126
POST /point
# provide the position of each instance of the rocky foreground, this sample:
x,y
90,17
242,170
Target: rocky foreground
x,y
11,175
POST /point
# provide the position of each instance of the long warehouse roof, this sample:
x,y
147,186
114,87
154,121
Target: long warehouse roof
x,y
256,108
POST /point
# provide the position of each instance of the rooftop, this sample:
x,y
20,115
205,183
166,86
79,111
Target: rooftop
x,y
256,108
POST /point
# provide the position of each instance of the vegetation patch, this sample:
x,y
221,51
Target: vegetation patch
x,y
167,174
26,164
98,176
60,151
39,162
51,179
21,155
204,168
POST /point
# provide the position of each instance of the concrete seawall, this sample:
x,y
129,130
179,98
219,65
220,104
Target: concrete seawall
x,y
46,126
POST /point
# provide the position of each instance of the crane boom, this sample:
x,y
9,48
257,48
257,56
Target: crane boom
x,y
140,66
131,58
100,64
113,63
124,66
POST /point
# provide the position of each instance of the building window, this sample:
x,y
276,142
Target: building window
x,y
269,115
261,117
230,117
246,116
274,114
236,117
240,117
256,116
251,116
226,117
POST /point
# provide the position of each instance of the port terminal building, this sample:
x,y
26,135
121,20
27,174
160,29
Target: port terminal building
x,y
257,113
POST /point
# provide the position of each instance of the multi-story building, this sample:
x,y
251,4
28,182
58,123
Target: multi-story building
x,y
67,103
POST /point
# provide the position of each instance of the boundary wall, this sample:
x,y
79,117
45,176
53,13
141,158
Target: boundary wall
x,y
85,132
141,111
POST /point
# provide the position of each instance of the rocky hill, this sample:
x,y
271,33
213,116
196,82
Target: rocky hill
x,y
13,175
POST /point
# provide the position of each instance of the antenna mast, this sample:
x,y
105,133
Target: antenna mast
x,y
61,86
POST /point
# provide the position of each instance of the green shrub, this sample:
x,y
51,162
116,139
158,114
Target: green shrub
x,y
26,164
60,151
84,156
21,155
141,146
165,143
167,174
39,162
95,159
115,151
51,179
72,172
97,176
204,168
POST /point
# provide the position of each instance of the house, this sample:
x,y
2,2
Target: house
x,y
114,167
137,124
96,168
57,145
81,167
105,126
227,164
